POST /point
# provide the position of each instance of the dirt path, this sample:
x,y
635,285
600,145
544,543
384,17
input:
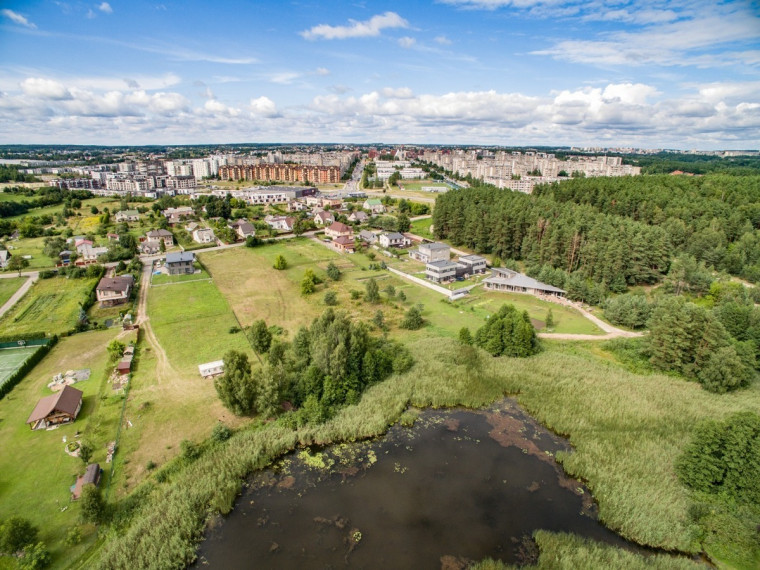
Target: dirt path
x,y
20,292
164,371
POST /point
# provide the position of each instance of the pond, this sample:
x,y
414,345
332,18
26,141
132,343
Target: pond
x,y
459,486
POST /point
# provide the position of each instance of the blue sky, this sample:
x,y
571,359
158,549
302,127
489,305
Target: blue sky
x,y
656,74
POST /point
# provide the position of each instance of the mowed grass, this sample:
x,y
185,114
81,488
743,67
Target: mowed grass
x,y
51,306
12,358
8,287
35,471
32,247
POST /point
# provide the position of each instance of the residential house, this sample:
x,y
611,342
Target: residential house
x,y
345,244
323,218
472,265
175,215
338,229
507,280
59,408
393,239
243,228
297,206
441,271
358,217
280,222
5,257
151,242
211,369
127,216
89,254
427,252
80,241
114,290
180,262
204,235
367,236
112,237
91,477
374,205
65,257
331,202
192,226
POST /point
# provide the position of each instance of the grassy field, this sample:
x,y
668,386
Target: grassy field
x,y
51,305
416,185
256,291
169,401
11,359
422,228
8,287
33,247
35,471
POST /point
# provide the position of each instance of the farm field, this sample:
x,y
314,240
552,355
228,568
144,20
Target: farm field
x,y
51,306
11,359
256,291
35,471
8,287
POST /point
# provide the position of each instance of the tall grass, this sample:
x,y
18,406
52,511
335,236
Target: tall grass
x,y
627,430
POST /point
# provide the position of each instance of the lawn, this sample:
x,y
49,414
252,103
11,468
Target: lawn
x,y
51,306
12,358
422,228
416,185
8,287
35,472
33,247
164,279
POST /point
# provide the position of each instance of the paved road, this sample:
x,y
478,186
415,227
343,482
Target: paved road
x,y
31,276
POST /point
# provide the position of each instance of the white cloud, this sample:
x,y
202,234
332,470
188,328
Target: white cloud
x,y
106,8
322,71
443,40
17,18
264,107
399,93
406,42
284,77
214,107
44,88
368,28
90,14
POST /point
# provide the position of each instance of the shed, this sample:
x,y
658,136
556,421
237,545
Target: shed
x,y
91,477
211,369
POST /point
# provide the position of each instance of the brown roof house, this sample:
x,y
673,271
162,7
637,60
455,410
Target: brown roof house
x,y
60,408
338,229
113,291
91,477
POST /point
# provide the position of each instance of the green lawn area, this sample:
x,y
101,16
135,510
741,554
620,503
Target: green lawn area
x,y
257,291
416,185
33,247
12,358
422,228
8,287
35,471
51,305
163,279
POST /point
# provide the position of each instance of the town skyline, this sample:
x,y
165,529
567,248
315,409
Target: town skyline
x,y
454,72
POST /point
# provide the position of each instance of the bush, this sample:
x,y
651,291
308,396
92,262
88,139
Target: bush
x,y
355,294
221,433
372,291
331,298
508,333
36,556
629,310
413,320
280,263
93,506
190,450
74,536
332,271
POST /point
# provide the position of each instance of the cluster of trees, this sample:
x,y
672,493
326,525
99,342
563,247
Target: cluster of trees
x,y
12,174
46,196
723,458
325,367
507,333
693,341
18,537
612,231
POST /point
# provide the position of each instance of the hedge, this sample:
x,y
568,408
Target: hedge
x,y
26,367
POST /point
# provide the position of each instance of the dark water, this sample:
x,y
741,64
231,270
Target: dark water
x,y
459,486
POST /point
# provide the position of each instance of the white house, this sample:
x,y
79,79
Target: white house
x,y
204,235
211,369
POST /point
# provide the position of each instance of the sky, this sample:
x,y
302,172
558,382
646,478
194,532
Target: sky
x,y
681,74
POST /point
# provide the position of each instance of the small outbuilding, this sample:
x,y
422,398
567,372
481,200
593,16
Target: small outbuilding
x,y
59,408
211,369
91,477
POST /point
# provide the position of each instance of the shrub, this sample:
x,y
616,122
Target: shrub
x,y
413,320
36,556
331,298
221,433
93,506
15,533
372,291
355,294
332,271
74,536
508,333
280,263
